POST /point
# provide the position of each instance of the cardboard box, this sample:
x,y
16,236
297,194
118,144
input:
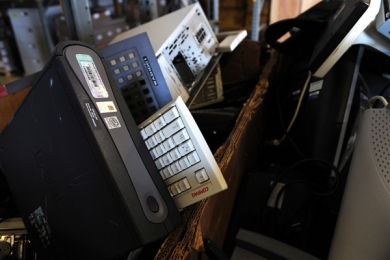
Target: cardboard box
x,y
210,218
9,104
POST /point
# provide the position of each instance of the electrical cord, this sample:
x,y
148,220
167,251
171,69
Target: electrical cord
x,y
334,168
278,197
381,93
374,98
277,142
318,188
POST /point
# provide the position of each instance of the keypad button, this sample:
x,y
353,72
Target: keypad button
x,y
186,147
175,154
144,134
175,167
159,136
154,154
171,115
173,127
150,129
184,184
152,142
159,123
167,172
181,136
201,175
159,163
193,157
160,150
169,144
184,163
167,159
174,189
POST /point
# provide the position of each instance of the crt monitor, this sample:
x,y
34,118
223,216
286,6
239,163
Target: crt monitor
x,y
80,174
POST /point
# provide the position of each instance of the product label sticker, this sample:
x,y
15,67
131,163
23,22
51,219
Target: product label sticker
x,y
112,122
92,76
92,114
149,69
106,107
38,220
315,86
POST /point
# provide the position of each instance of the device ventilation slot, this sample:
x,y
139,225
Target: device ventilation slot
x,y
200,35
381,143
139,107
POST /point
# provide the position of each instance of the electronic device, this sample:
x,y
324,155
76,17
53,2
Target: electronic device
x,y
325,31
14,241
211,92
339,24
184,44
344,27
137,74
183,157
328,123
328,107
376,35
77,166
382,19
362,230
230,40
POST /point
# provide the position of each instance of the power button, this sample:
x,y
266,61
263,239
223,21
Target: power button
x,y
152,203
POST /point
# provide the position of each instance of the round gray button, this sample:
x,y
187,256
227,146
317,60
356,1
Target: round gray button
x,y
152,203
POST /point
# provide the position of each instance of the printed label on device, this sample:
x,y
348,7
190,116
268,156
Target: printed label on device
x,y
202,190
38,220
112,122
93,115
106,107
316,86
92,76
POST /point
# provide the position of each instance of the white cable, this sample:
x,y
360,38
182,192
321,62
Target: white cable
x,y
277,142
372,99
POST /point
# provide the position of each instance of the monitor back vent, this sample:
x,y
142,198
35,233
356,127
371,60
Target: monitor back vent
x,y
380,136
